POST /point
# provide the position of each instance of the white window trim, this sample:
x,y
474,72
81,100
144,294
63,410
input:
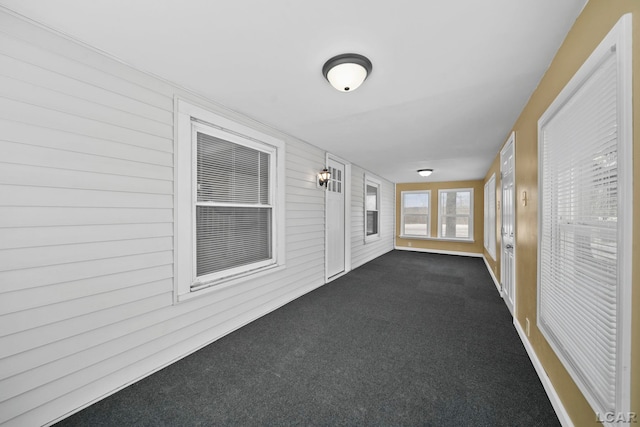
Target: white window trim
x,y
184,204
489,214
471,215
415,236
620,39
373,181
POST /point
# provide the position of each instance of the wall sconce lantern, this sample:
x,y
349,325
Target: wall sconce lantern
x,y
323,178
346,72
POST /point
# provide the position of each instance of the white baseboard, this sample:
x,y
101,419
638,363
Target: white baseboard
x,y
493,276
436,251
561,412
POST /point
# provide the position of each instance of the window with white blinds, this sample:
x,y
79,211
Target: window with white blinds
x,y
233,205
582,173
490,216
229,202
415,216
372,208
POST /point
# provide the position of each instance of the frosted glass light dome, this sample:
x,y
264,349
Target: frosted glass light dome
x,y
347,72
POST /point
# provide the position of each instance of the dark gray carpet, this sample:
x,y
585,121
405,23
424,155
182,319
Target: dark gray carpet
x,y
409,339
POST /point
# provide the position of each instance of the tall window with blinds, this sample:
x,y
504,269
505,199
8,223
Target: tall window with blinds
x,y
582,233
371,208
233,205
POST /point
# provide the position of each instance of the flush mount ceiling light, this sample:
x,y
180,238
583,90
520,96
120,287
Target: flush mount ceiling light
x,y
425,172
346,72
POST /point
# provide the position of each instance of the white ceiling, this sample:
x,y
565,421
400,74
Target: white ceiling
x,y
449,77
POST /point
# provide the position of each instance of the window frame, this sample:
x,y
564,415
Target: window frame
x,y
470,216
373,182
619,41
490,216
403,234
187,119
199,127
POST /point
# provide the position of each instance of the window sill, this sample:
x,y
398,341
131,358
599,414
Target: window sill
x,y
439,239
219,285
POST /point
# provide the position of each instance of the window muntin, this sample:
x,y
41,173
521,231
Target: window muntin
x,y
455,214
415,216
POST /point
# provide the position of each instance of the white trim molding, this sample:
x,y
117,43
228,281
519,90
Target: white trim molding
x,y
493,276
561,412
437,251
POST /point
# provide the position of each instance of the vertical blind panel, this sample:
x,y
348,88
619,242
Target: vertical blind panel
x,y
229,237
578,261
231,173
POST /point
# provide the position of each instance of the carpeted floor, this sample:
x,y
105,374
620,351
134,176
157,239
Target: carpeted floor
x,y
409,339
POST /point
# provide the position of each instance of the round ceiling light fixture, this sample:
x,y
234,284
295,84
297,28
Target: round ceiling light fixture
x,y
425,172
346,72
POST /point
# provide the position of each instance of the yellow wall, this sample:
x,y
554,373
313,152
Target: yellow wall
x,y
476,246
595,21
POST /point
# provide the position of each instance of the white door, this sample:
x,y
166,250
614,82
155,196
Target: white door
x,y
335,219
508,272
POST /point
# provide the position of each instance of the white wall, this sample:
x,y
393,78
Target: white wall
x,y
86,228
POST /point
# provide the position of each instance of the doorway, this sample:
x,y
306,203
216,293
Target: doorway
x,y
338,201
508,247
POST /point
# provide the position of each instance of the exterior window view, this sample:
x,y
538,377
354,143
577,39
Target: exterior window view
x,y
273,214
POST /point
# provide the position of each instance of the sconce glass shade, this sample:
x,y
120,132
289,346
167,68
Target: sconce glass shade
x,y
323,177
425,172
346,72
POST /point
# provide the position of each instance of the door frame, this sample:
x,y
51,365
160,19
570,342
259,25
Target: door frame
x,y
347,220
511,142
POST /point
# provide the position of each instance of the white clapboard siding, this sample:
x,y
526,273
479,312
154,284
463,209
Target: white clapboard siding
x,y
17,280
38,176
22,258
362,252
33,216
15,89
25,154
60,292
18,195
26,72
87,223
27,237
22,112
123,80
35,134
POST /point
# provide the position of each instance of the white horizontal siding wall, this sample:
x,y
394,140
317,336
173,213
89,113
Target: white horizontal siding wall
x,y
362,252
86,229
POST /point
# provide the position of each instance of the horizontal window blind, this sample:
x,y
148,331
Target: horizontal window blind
x,y
233,209
231,237
578,233
371,204
231,173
